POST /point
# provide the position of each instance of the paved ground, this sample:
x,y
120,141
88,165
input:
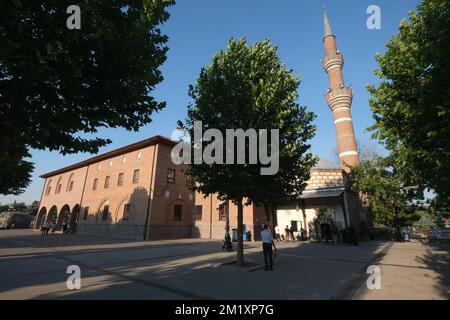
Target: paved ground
x,y
412,271
34,267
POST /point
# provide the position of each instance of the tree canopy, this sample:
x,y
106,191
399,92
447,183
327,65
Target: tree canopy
x,y
58,86
248,87
411,104
382,191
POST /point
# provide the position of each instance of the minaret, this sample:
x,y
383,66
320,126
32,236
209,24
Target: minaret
x,y
339,98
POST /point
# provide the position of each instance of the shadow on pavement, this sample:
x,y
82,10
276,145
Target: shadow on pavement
x,y
437,259
187,270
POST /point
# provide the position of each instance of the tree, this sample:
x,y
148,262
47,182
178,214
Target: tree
x,y
247,87
57,85
382,191
411,104
15,171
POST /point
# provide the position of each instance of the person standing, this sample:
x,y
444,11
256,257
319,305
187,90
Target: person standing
x,y
277,233
302,234
268,243
47,227
291,233
287,233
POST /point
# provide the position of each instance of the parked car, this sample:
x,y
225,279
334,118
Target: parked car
x,y
15,219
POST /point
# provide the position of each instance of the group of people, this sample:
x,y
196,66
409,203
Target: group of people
x,y
289,234
47,226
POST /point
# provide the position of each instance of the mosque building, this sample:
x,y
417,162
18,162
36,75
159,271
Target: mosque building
x,y
136,192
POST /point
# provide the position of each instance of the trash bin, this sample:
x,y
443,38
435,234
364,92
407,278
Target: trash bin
x,y
234,235
245,236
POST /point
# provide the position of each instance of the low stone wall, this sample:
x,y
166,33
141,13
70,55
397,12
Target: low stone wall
x,y
169,232
117,231
217,231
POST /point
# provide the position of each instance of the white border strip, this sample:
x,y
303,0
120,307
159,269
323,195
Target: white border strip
x,y
348,153
342,120
340,108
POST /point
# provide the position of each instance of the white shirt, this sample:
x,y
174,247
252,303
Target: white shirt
x,y
266,236
277,229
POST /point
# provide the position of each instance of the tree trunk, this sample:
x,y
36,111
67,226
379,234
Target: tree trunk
x,y
266,213
240,241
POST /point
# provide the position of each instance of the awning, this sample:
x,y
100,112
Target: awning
x,y
321,194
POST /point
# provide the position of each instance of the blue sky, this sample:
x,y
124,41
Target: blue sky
x,y
199,28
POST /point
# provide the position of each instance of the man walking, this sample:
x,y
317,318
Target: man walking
x,y
267,240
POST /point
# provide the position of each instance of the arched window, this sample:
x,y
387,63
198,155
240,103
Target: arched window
x,y
123,210
124,160
49,187
103,213
69,186
58,186
139,155
110,163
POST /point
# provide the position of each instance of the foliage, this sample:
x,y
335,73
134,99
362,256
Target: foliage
x,y
248,87
411,104
382,191
58,86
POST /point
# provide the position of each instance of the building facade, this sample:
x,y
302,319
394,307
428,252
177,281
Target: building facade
x,y
325,204
339,98
136,192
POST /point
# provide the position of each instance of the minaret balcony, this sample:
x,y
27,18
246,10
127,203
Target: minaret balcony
x,y
340,98
333,61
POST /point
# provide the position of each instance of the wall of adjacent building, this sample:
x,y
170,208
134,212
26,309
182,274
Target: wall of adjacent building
x,y
211,227
166,195
116,197
325,179
310,212
66,197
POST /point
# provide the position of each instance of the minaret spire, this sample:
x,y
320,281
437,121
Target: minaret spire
x,y
339,98
327,31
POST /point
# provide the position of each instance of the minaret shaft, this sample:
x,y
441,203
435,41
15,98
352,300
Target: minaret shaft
x,y
339,99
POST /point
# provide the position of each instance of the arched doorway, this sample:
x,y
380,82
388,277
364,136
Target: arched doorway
x,y
325,224
52,215
63,217
177,211
75,216
40,218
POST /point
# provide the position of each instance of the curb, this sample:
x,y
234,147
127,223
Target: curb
x,y
348,290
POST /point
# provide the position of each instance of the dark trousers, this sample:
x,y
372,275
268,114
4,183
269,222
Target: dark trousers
x,y
267,250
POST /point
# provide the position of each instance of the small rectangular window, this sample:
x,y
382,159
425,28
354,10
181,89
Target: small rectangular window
x,y
86,213
177,212
198,212
94,186
189,181
107,182
71,186
171,176
126,209
120,179
105,213
136,176
223,212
